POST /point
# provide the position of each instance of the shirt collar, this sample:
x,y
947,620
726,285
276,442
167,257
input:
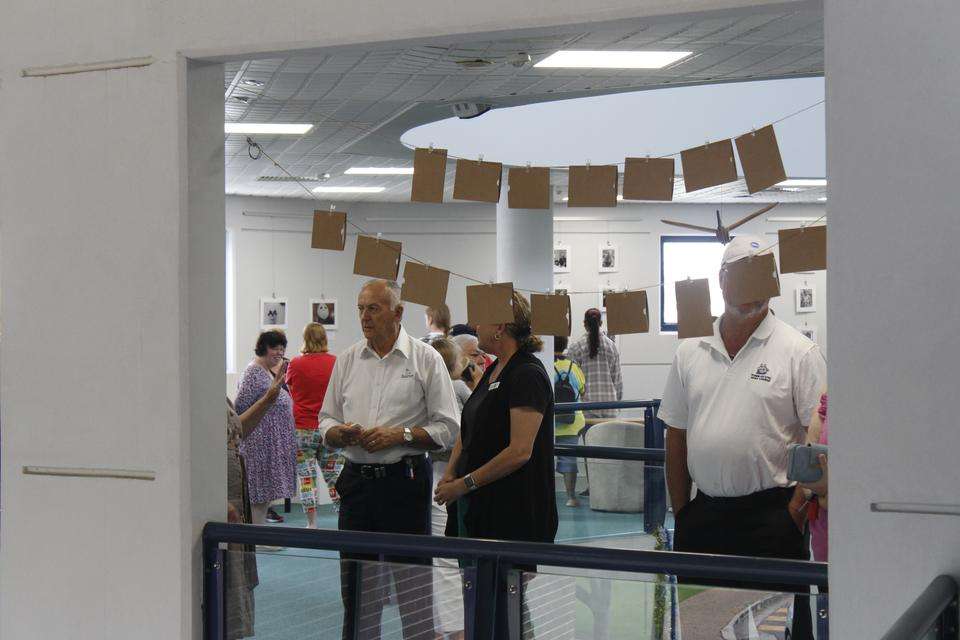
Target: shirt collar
x,y
401,346
763,331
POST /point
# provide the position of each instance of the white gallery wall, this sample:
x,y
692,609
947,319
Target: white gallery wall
x,y
270,238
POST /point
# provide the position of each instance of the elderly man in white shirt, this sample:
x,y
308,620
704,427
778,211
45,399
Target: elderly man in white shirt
x,y
733,402
390,398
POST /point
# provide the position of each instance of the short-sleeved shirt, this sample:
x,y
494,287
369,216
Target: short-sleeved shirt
x,y
577,380
307,378
602,371
521,505
741,415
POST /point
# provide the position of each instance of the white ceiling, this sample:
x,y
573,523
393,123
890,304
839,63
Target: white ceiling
x,y
362,102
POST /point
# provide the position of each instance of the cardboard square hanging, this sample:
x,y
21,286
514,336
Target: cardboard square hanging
x,y
424,285
803,249
550,314
592,186
708,166
429,172
377,258
329,230
477,181
490,303
648,179
529,188
693,308
752,279
760,159
627,312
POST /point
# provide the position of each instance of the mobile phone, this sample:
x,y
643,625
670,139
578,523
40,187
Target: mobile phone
x,y
803,464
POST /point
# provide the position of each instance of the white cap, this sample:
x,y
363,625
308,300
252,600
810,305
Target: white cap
x,y
741,247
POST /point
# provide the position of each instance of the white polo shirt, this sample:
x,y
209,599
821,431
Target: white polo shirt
x,y
740,415
409,387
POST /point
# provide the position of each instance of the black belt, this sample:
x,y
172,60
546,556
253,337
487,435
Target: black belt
x,y
401,469
765,498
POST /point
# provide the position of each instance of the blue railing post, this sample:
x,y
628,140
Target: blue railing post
x,y
213,571
480,601
654,480
514,603
949,624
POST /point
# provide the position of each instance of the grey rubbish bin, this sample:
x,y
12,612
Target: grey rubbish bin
x,y
615,485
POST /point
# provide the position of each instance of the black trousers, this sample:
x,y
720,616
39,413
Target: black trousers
x,y
759,525
394,503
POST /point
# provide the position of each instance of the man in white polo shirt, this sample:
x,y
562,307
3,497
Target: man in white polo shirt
x,y
390,398
732,403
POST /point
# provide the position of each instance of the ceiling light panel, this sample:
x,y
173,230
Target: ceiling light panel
x,y
802,182
572,59
379,171
266,128
348,189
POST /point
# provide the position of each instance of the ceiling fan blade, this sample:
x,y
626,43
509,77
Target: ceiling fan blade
x,y
752,216
689,226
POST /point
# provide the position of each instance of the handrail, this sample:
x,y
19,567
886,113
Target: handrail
x,y
563,407
610,453
937,603
692,565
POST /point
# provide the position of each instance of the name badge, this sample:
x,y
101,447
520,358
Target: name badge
x,y
495,385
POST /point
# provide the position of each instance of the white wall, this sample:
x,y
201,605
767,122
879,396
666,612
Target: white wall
x,y
893,88
461,237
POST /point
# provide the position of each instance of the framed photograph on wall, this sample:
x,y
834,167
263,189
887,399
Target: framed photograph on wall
x,y
273,313
324,311
806,299
809,331
561,258
609,258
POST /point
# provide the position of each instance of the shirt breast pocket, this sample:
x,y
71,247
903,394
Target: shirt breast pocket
x,y
404,391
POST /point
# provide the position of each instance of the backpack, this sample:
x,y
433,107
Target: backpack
x,y
563,391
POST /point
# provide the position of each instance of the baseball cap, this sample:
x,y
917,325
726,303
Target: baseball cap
x,y
741,247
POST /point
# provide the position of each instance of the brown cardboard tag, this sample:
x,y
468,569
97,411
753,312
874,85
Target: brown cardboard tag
x,y
627,312
760,159
429,171
648,179
693,308
708,166
477,181
329,230
753,279
424,285
592,186
529,188
803,249
490,303
550,314
377,258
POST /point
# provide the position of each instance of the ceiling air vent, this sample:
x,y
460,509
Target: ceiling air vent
x,y
293,178
474,63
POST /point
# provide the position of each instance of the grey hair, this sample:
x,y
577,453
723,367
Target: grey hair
x,y
393,290
465,340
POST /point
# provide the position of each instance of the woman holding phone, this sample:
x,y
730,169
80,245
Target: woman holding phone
x,y
270,449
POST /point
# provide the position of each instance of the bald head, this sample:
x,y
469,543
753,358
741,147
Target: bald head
x,y
387,290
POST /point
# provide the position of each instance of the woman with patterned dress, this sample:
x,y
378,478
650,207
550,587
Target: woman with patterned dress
x,y
270,450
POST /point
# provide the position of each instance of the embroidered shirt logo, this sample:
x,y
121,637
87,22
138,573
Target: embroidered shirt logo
x,y
761,373
406,374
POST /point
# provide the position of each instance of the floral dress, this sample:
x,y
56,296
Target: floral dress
x,y
270,451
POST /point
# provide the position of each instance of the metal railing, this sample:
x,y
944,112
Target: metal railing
x,y
932,615
489,562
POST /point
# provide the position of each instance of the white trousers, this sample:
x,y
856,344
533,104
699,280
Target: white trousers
x,y
447,580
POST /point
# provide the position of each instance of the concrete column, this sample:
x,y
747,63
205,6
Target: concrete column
x,y
525,253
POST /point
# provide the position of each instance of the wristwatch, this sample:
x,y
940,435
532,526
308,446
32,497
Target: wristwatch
x,y
407,434
470,484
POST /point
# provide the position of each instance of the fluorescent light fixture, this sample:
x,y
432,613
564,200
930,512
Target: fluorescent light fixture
x,y
619,198
802,182
612,59
379,171
348,189
794,218
266,128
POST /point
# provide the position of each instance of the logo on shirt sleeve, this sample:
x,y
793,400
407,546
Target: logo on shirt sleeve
x,y
761,373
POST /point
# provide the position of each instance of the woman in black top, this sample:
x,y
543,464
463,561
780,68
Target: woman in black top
x,y
501,470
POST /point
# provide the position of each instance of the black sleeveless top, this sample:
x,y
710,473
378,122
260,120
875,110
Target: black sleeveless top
x,y
522,505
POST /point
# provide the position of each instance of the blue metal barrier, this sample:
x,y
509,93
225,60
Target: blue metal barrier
x,y
491,560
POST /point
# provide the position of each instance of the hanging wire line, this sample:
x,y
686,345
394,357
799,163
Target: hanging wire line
x,y
261,153
621,164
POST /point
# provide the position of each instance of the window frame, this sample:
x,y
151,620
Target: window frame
x,y
664,239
